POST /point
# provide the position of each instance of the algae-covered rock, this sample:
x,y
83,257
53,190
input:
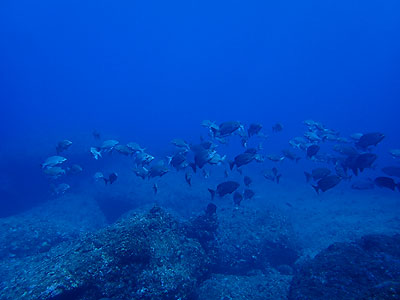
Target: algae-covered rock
x,y
143,256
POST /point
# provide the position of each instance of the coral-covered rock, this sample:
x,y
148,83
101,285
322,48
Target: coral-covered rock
x,y
366,269
143,256
271,286
250,239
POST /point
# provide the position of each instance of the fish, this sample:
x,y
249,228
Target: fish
x,y
203,156
312,136
111,178
54,172
227,187
135,147
247,180
63,145
312,150
227,128
278,127
206,173
392,171
53,161
272,175
60,188
360,162
178,161
363,185
275,158
143,158
98,175
155,188
242,159
141,172
290,155
317,174
108,145
237,198
188,178
327,183
96,135
75,169
180,144
95,153
124,149
254,129
248,194
386,182
395,153
370,139
217,159
158,169
356,136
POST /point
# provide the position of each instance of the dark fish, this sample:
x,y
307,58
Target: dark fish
x,y
327,183
155,188
237,198
254,129
363,185
202,157
341,172
370,139
392,171
272,175
359,162
228,128
96,134
248,194
142,172
188,179
312,150
317,174
226,174
242,159
178,161
247,180
157,170
63,145
290,155
386,182
277,127
111,178
211,209
227,187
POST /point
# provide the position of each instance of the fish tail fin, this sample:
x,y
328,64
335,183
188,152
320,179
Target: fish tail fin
x,y
316,188
278,177
212,192
231,164
355,171
308,176
193,166
105,180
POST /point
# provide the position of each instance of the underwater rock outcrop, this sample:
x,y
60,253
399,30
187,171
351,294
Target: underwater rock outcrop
x,y
48,225
143,256
249,239
259,286
368,268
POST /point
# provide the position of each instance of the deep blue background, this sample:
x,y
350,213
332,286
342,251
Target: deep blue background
x,y
150,71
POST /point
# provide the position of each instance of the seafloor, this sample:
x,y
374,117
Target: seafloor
x,y
126,243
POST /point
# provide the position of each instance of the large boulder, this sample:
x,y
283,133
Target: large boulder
x,y
249,239
143,256
368,268
38,230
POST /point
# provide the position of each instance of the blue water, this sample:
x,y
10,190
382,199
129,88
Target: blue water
x,y
151,71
